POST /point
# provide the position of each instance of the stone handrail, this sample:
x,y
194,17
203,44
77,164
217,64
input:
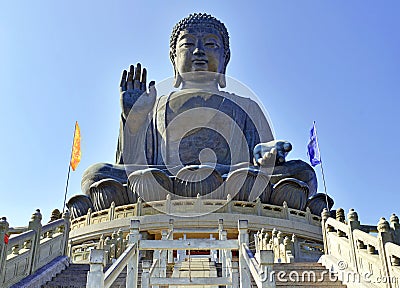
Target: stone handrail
x,y
114,270
177,207
153,267
354,254
26,252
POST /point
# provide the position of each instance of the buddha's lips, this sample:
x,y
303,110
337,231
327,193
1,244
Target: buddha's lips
x,y
200,61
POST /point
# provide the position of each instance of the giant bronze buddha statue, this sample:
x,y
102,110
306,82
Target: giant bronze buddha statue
x,y
197,141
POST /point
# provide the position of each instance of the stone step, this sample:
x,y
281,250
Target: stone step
x,y
75,276
305,274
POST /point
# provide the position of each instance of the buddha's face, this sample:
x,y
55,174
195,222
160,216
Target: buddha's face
x,y
199,49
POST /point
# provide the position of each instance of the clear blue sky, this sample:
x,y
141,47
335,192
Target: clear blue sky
x,y
335,62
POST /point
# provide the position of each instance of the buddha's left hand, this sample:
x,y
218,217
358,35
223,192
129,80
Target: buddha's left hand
x,y
271,153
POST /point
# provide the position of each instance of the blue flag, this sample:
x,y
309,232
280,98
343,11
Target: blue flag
x,y
313,149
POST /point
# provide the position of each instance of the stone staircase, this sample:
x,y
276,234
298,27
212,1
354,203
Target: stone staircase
x,y
306,274
75,277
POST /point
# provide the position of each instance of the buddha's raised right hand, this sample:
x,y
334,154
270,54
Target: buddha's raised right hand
x,y
136,102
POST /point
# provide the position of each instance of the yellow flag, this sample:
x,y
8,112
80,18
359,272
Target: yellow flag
x,y
76,148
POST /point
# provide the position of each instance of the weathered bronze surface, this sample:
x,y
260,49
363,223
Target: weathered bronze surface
x,y
197,136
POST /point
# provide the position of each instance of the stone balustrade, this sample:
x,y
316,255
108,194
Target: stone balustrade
x,y
30,250
193,206
113,244
287,248
361,259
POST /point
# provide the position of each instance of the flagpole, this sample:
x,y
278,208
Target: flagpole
x,y
69,171
322,168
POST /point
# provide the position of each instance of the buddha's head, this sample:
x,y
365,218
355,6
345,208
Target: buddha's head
x,y
199,43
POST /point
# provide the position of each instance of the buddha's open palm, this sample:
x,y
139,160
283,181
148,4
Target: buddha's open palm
x,y
136,102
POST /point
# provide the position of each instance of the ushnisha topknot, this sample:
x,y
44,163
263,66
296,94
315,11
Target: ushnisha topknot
x,y
204,20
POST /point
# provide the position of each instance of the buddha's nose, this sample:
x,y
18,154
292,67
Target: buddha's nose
x,y
199,50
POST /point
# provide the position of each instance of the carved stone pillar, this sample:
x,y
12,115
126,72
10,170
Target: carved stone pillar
x,y
95,276
36,225
244,271
66,217
325,215
133,264
353,223
3,247
384,236
394,223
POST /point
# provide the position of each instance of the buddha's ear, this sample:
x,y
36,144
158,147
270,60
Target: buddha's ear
x,y
221,77
221,80
177,77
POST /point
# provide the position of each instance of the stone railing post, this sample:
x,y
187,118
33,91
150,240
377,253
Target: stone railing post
x,y
88,216
139,207
171,237
133,264
296,248
258,207
384,236
228,203
3,247
266,266
235,275
111,211
394,223
145,274
222,255
324,217
67,226
36,225
341,218
352,221
168,204
95,276
308,215
220,229
288,248
163,256
285,210
244,271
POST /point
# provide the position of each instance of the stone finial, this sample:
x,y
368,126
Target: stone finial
x,y
394,219
266,236
66,215
3,224
294,238
286,241
36,216
55,215
107,241
325,214
352,215
383,225
274,232
340,215
114,235
284,205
